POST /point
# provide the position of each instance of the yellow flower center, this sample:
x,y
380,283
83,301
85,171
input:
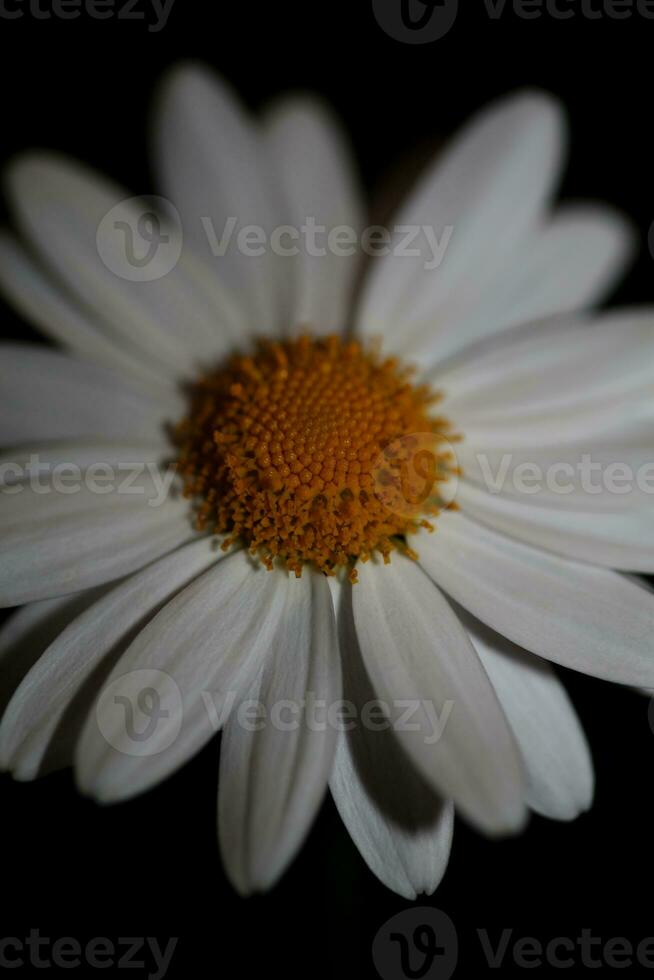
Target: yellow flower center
x,y
314,451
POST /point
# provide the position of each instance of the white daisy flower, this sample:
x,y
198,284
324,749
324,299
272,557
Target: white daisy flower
x,y
330,588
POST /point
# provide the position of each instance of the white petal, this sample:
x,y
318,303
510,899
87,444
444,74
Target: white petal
x,y
17,465
56,543
402,829
212,165
166,321
490,190
552,742
569,477
568,264
30,630
419,657
86,650
198,654
586,618
317,176
617,431
621,539
60,317
274,773
550,372
47,395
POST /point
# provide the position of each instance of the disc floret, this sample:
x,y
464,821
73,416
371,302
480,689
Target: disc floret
x,y
293,448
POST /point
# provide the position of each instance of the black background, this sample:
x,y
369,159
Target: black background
x,y
151,867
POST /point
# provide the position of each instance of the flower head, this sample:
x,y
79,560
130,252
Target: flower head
x,y
306,448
